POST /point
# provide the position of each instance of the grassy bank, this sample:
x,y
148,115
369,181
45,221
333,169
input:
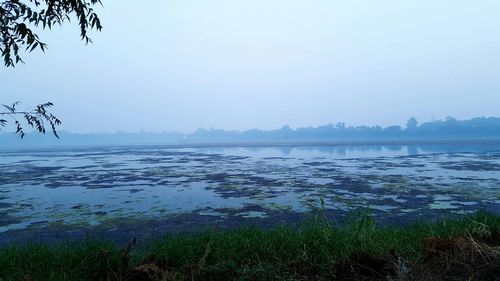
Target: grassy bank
x,y
315,250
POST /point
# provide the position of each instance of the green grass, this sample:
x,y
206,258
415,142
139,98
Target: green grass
x,y
283,253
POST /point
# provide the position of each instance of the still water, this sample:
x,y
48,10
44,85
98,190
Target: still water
x,y
90,186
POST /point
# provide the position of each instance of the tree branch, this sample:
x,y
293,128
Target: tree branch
x,y
35,118
16,18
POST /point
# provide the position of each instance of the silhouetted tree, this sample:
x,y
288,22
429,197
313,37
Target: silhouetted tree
x,y
17,18
412,124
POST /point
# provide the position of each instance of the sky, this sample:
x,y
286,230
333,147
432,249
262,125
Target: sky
x,y
164,65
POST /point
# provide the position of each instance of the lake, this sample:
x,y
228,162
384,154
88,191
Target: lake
x,y
123,191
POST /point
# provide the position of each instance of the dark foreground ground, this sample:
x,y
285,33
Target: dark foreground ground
x,y
466,249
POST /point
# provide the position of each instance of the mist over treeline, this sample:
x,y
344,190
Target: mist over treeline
x,y
448,129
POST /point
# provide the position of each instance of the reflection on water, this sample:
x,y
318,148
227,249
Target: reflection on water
x,y
350,151
91,186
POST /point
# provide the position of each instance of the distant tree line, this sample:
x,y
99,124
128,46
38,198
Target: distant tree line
x,y
450,127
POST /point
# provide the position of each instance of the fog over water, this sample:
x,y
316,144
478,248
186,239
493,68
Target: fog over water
x,y
264,64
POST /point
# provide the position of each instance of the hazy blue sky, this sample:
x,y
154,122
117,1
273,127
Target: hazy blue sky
x,y
179,65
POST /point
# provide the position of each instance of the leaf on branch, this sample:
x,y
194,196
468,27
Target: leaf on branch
x,y
35,118
17,17
19,129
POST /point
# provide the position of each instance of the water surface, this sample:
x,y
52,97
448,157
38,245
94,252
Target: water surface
x,y
84,187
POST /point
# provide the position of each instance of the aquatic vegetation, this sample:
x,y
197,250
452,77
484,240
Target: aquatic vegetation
x,y
79,187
